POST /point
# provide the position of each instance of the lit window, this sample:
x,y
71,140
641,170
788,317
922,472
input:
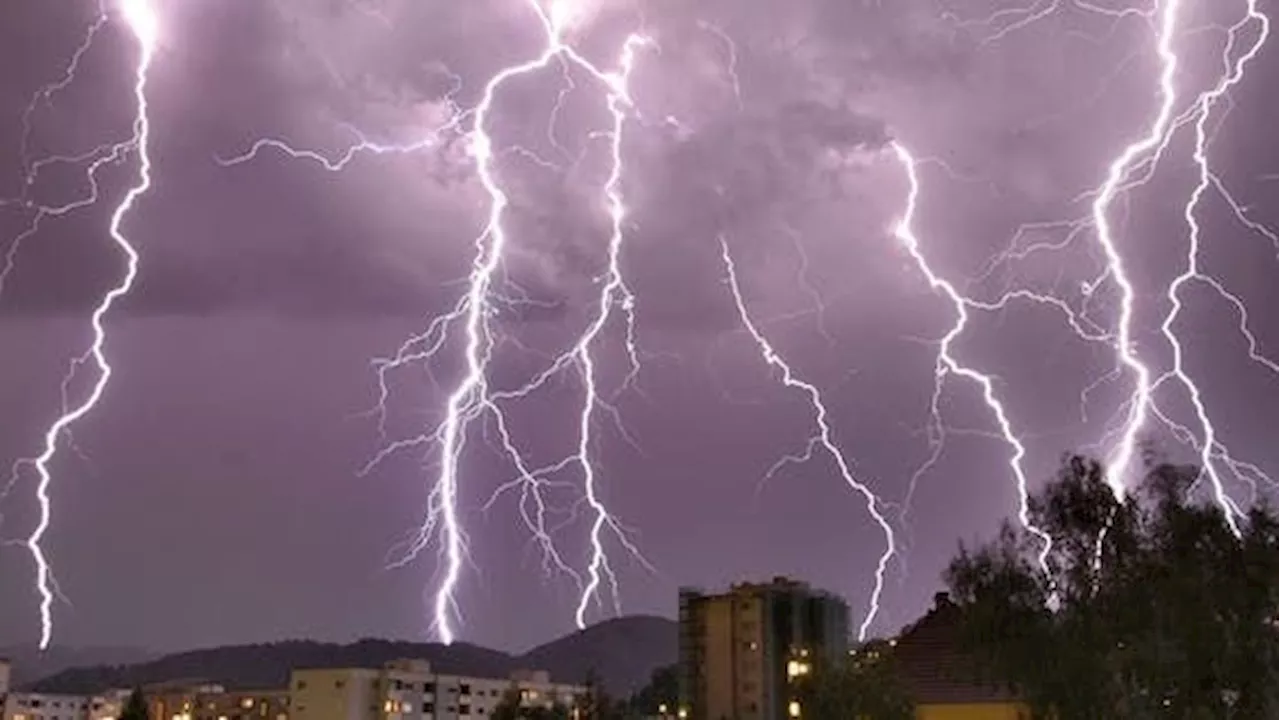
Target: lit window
x,y
793,709
246,703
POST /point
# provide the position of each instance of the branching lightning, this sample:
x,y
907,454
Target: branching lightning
x,y
1139,403
144,25
947,364
473,398
822,439
474,403
1232,73
1131,168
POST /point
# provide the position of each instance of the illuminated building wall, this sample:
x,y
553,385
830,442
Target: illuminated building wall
x,y
411,690
742,651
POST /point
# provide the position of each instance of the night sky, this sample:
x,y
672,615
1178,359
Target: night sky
x,y
215,494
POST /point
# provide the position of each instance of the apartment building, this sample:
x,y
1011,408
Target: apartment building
x,y
412,690
742,651
177,699
243,705
54,706
46,706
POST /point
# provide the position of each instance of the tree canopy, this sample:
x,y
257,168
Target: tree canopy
x,y
1146,607
861,685
663,690
135,708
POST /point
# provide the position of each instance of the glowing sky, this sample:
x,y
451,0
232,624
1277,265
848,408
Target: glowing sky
x,y
215,494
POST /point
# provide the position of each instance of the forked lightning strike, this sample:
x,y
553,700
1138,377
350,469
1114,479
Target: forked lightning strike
x,y
143,23
473,398
96,157
1205,103
823,438
1131,168
947,364
1140,401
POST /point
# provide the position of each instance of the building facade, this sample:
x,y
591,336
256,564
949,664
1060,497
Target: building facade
x,y
54,706
411,690
46,706
743,651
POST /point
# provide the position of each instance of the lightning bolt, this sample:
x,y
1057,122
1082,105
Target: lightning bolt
x,y
1156,135
472,395
97,156
947,364
822,439
143,23
1132,167
473,398
1203,108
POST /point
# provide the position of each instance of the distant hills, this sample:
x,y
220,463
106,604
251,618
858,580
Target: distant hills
x,y
623,652
31,664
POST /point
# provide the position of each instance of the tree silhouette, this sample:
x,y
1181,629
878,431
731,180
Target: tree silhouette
x,y
135,708
1150,607
862,685
663,689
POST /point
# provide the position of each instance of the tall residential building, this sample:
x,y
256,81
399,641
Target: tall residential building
x,y
742,651
411,690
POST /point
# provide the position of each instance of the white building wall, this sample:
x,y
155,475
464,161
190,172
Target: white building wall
x,y
45,706
410,690
334,694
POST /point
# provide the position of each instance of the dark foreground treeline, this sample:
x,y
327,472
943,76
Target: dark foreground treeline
x,y
1160,605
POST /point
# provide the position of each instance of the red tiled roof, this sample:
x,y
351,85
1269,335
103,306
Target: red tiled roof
x,y
934,670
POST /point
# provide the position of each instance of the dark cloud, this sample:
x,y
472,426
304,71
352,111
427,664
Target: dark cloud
x,y
224,452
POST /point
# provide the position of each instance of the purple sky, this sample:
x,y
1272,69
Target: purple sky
x,y
216,495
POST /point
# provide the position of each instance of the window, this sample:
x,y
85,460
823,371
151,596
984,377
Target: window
x,y
339,684
464,709
466,688
428,687
428,707
302,684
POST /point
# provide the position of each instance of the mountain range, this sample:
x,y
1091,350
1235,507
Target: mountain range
x,y
622,652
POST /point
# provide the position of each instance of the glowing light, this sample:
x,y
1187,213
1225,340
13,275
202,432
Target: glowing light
x,y
823,438
144,24
472,397
1203,107
1132,167
947,363
1140,402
